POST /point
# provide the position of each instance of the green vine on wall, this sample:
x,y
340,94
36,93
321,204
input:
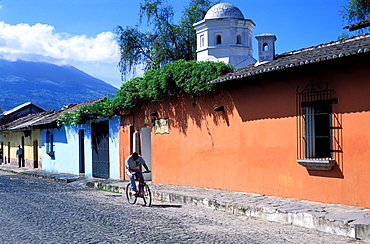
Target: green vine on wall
x,y
178,77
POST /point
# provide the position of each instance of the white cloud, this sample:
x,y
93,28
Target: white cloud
x,y
97,56
39,42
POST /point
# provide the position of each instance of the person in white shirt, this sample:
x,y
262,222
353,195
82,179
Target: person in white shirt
x,y
132,165
20,156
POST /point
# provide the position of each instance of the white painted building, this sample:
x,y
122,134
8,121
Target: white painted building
x,y
224,35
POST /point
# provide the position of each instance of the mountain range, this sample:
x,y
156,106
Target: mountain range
x,y
47,85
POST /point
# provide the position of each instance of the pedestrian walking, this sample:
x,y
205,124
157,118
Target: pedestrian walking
x,y
20,156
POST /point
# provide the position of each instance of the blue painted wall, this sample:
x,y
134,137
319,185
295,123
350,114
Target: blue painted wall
x,y
66,148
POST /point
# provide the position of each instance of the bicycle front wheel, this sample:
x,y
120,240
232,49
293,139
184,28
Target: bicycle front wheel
x,y
147,196
131,197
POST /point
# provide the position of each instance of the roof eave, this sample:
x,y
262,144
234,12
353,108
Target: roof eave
x,y
288,66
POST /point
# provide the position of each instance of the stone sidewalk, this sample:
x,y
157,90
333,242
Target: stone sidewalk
x,y
332,218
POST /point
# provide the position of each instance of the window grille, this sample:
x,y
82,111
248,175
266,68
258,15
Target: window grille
x,y
318,128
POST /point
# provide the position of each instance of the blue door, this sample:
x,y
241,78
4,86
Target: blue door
x,y
100,149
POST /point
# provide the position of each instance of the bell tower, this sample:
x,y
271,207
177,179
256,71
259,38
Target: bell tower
x,y
224,35
266,47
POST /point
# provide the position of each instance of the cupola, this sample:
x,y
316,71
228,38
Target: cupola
x,y
266,47
224,35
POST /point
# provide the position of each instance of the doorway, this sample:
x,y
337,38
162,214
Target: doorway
x,y
146,142
35,154
100,149
2,153
81,151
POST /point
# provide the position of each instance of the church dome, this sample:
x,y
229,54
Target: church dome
x,y
224,10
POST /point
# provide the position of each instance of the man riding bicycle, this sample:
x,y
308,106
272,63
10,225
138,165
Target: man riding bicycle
x,y
132,165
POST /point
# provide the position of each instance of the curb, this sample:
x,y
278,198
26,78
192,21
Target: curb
x,y
329,223
47,176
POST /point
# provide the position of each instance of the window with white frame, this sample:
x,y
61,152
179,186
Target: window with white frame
x,y
201,44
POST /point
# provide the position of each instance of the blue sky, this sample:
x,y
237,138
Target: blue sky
x,y
81,32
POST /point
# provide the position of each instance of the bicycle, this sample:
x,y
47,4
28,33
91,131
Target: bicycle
x,y
144,193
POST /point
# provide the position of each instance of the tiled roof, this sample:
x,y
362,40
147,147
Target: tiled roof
x,y
28,121
72,107
69,108
18,108
316,54
359,25
39,119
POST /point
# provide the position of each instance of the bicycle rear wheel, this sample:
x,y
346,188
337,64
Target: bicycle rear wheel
x,y
131,198
147,196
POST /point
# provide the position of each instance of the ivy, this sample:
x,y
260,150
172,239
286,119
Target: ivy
x,y
178,77
102,109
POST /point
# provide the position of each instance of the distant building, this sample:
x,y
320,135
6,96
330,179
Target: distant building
x,y
18,112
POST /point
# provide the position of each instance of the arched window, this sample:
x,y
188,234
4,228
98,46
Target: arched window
x,y
238,39
265,47
218,39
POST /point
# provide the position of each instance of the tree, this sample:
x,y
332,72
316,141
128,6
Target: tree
x,y
193,12
166,42
357,10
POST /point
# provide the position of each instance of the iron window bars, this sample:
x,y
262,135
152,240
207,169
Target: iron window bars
x,y
318,128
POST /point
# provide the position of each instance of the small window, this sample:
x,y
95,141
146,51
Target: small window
x,y
265,47
202,41
317,128
49,144
218,39
238,39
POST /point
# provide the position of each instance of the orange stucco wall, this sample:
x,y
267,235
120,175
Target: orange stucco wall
x,y
252,145
125,142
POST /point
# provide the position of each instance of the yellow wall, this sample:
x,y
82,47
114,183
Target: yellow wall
x,y
14,139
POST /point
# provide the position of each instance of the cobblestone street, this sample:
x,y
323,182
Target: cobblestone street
x,y
36,211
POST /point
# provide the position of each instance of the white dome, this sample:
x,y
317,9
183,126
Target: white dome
x,y
224,10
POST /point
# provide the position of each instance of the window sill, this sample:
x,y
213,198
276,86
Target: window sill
x,y
317,164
